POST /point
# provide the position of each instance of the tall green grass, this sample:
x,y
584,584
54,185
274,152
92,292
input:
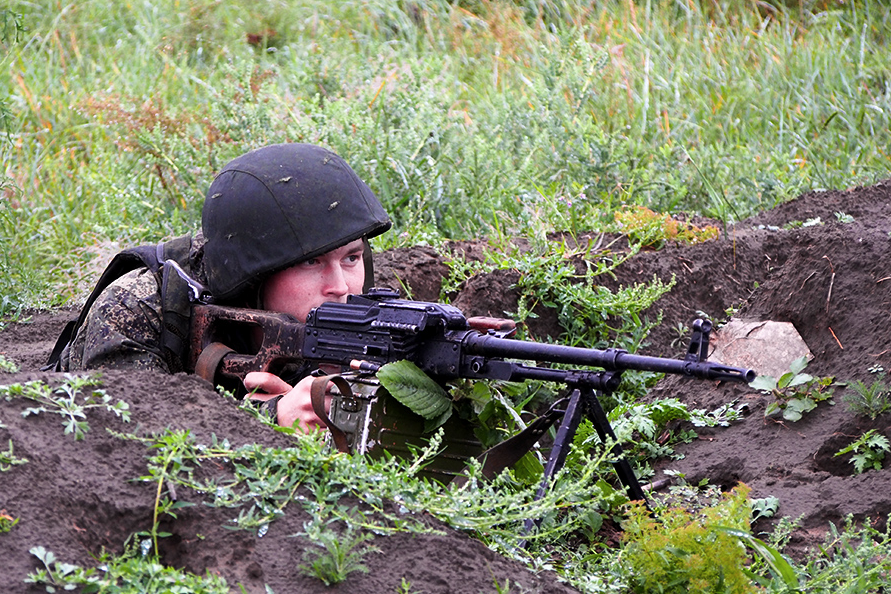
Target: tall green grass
x,y
457,114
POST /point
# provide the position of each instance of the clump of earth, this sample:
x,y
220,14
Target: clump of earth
x,y
831,281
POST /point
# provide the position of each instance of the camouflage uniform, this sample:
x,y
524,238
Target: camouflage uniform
x,y
123,327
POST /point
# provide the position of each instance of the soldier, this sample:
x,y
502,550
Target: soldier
x,y
285,228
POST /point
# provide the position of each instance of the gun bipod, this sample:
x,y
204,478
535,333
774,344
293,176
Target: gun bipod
x,y
584,402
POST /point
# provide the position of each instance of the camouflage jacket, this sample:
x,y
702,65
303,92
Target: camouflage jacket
x,y
122,329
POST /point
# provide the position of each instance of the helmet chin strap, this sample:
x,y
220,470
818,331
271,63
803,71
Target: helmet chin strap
x,y
369,266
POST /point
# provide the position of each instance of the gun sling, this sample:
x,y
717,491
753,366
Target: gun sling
x,y
318,392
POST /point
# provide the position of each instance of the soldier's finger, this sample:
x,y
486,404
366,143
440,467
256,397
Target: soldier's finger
x,y
261,381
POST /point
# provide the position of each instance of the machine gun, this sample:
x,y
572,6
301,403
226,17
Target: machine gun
x,y
377,328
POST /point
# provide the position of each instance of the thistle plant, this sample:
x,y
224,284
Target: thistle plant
x,y
70,400
867,452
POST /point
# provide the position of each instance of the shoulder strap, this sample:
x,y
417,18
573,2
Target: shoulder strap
x,y
176,303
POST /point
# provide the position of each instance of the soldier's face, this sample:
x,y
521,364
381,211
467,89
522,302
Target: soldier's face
x,y
329,277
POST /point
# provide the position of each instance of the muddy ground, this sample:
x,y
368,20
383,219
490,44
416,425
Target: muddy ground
x,y
831,281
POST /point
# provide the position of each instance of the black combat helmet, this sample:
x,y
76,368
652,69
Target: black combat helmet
x,y
278,206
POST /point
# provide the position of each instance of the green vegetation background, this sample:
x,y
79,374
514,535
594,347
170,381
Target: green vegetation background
x,y
468,118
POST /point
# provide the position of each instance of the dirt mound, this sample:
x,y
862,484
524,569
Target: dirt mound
x,y
831,280
78,498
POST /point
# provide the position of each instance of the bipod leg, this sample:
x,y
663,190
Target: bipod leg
x,y
571,418
601,424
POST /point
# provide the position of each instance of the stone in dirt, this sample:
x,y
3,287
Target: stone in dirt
x,y
768,347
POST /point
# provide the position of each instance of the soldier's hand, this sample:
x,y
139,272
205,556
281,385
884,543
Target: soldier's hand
x,y
296,404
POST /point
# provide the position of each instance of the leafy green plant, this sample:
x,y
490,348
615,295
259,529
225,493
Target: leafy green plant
x,y
795,392
416,390
853,559
650,430
130,573
405,587
643,428
591,315
176,451
577,504
11,32
8,365
765,507
867,451
8,459
868,400
468,120
562,277
340,555
680,336
782,571
651,229
67,400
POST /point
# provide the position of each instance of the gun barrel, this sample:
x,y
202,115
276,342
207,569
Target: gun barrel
x,y
609,359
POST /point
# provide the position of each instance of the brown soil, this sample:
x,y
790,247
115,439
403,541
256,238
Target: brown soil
x,y
833,282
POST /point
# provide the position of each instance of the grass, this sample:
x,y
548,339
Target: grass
x,y
458,116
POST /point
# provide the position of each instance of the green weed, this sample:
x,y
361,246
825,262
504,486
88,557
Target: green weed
x,y
130,573
796,393
177,449
652,230
502,588
679,552
867,452
342,555
868,400
8,365
494,119
765,507
67,400
8,459
7,522
264,482
854,559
